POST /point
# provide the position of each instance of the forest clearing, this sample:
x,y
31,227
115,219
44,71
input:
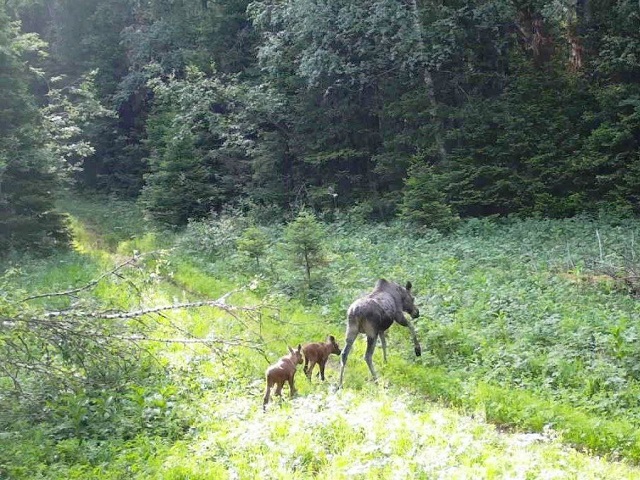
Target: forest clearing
x,y
193,191
524,357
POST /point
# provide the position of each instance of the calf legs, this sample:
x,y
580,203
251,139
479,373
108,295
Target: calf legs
x,y
278,392
292,389
308,367
267,394
321,366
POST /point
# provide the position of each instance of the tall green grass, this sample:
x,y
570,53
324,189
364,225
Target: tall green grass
x,y
512,337
507,324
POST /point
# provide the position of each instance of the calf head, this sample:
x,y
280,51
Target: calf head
x,y
331,341
296,355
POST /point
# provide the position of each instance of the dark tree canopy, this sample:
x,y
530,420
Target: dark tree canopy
x,y
428,110
28,178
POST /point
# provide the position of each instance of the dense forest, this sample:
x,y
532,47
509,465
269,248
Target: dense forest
x,y
431,111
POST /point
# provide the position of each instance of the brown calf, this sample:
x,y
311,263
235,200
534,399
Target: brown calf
x,y
319,353
282,371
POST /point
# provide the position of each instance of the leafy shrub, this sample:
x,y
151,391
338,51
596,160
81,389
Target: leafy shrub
x,y
424,202
253,242
214,236
303,239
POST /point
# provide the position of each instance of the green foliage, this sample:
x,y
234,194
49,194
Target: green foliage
x,y
611,149
216,236
514,155
349,43
512,108
303,240
69,112
85,39
253,242
516,329
424,202
28,180
193,172
27,218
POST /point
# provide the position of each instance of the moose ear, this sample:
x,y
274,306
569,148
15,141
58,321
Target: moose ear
x,y
299,347
331,338
408,287
290,349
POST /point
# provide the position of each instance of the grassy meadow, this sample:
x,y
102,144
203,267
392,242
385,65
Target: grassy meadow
x,y
530,365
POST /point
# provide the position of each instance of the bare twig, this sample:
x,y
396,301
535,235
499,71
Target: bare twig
x,y
187,341
78,345
146,311
600,246
84,287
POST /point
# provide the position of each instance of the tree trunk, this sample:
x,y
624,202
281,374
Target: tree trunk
x,y
534,36
307,267
428,83
575,34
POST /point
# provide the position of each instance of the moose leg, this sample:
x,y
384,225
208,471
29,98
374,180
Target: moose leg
x,y
292,389
352,333
321,365
405,322
279,386
383,342
306,363
309,370
267,393
368,356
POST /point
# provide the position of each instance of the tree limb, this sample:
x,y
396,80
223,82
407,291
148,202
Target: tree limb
x,y
84,287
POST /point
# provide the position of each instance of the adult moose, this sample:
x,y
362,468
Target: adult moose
x,y
373,314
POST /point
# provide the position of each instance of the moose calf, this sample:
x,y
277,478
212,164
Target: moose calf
x,y
319,353
282,371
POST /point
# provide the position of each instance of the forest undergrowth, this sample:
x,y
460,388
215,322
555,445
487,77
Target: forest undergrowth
x,y
529,331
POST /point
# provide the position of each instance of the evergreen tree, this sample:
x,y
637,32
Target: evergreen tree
x,y
424,200
193,168
303,237
253,242
28,175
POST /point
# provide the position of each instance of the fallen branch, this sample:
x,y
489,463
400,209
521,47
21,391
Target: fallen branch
x,y
187,341
84,345
93,283
147,311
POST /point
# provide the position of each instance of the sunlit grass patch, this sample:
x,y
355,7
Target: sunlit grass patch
x,y
199,281
375,433
105,221
147,242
